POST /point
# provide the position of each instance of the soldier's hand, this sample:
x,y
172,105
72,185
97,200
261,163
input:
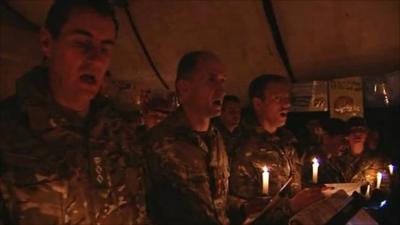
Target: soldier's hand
x,y
305,198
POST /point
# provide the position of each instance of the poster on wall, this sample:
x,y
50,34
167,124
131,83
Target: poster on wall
x,y
346,98
310,96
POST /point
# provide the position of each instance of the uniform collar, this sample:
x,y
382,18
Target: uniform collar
x,y
42,111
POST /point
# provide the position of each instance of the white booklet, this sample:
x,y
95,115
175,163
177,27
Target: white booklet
x,y
320,212
349,188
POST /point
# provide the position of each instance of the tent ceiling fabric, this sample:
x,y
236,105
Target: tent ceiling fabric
x,y
324,39
340,38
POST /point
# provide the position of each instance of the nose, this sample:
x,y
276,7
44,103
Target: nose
x,y
96,54
285,102
221,88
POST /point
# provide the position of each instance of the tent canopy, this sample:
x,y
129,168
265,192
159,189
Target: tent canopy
x,y
323,39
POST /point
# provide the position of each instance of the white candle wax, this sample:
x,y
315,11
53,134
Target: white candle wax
x,y
391,169
265,180
378,180
315,166
368,192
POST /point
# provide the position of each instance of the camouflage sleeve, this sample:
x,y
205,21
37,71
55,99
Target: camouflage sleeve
x,y
281,212
125,165
243,180
296,164
369,171
179,192
136,176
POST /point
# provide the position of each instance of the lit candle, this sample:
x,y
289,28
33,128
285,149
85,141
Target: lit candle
x,y
315,166
368,192
390,169
265,180
378,180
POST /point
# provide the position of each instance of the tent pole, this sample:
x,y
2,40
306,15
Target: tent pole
x,y
124,4
270,14
26,22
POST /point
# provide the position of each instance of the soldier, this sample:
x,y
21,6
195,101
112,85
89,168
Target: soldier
x,y
357,164
229,123
272,146
330,145
155,110
66,156
187,161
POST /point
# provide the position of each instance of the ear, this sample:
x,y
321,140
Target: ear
x,y
46,42
256,102
183,87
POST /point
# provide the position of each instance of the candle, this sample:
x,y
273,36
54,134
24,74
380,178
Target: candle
x,y
368,192
390,169
378,180
265,180
315,166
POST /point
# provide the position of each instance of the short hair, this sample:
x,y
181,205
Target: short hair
x,y
257,86
60,11
188,63
231,98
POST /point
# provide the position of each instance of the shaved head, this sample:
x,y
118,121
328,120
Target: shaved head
x,y
189,62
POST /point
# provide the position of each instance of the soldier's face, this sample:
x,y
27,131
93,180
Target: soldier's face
x,y
80,55
275,106
205,89
357,135
230,115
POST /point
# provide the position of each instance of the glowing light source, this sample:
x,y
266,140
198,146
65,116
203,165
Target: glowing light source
x,y
315,166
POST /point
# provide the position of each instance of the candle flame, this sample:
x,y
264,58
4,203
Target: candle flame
x,y
265,169
391,169
315,160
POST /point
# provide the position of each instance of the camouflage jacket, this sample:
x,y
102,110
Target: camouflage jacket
x,y
189,173
362,168
277,152
231,139
59,169
328,170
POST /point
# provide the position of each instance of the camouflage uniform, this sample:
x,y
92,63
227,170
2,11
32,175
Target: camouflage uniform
x,y
362,168
328,171
59,169
277,152
231,139
189,173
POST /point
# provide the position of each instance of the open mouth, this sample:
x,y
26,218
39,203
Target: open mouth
x,y
217,102
88,79
283,114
